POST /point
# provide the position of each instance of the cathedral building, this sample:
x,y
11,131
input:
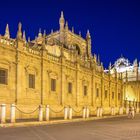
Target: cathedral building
x,y
130,75
57,69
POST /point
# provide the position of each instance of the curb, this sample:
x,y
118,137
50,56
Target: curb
x,y
37,123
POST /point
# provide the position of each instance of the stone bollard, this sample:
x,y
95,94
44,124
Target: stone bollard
x,y
87,112
13,113
70,113
84,112
127,110
133,112
47,113
137,107
100,112
65,113
121,111
137,110
112,111
40,113
3,113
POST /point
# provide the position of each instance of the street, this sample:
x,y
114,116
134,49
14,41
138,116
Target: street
x,y
120,128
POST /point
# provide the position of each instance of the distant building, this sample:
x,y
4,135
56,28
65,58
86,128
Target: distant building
x,y
130,74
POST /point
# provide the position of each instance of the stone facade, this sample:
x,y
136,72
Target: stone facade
x,y
130,74
60,62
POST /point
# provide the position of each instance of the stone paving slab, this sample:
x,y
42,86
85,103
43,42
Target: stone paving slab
x,y
113,128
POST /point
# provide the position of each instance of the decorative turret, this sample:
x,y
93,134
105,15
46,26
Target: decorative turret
x,y
51,31
80,33
40,34
88,38
67,27
29,39
44,40
24,36
88,35
102,67
109,66
19,33
98,59
7,33
95,58
44,34
62,23
72,29
20,41
135,65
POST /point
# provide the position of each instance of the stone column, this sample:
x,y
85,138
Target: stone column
x,y
121,111
13,113
137,107
3,113
47,113
40,113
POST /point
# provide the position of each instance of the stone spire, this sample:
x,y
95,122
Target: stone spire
x,y
62,24
67,27
19,33
44,34
88,35
24,36
88,39
62,21
72,29
110,66
98,59
135,63
40,34
51,31
95,58
79,33
29,39
102,66
7,33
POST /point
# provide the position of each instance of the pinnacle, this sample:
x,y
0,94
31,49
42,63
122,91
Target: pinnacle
x,y
7,33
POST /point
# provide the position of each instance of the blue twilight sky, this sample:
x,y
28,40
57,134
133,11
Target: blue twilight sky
x,y
114,24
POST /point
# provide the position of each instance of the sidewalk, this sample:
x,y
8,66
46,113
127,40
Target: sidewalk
x,y
37,123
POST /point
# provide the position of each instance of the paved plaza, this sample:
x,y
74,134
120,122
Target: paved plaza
x,y
120,128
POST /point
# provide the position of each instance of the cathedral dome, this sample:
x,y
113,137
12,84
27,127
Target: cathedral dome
x,y
122,64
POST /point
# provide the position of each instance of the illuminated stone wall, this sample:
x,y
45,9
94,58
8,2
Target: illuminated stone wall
x,y
63,56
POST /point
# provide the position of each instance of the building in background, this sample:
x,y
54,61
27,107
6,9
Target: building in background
x,y
130,75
